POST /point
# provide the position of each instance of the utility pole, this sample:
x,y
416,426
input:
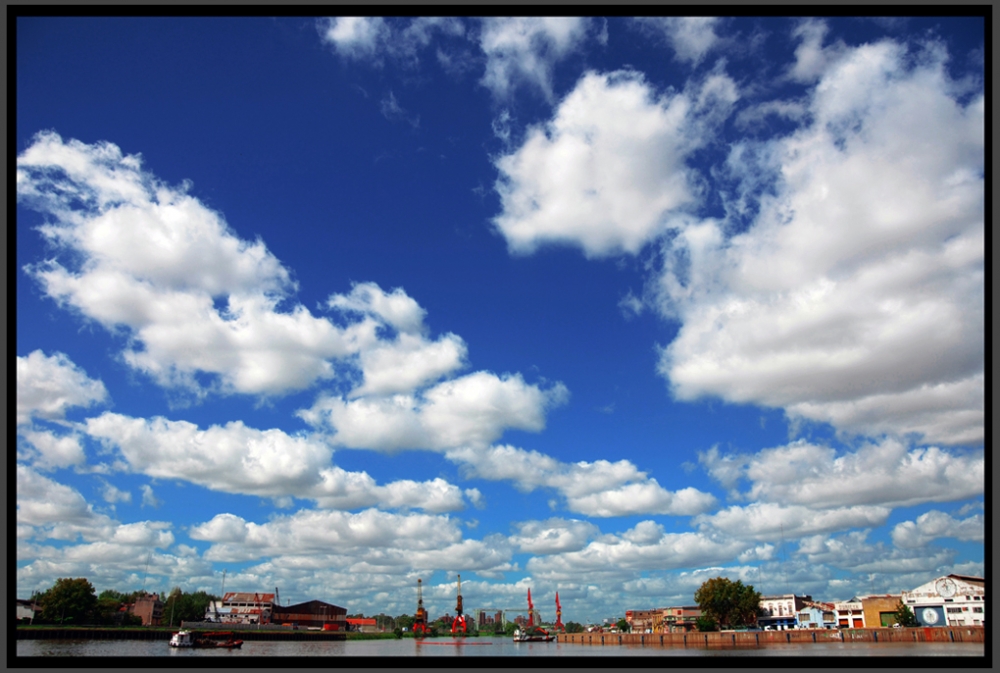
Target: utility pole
x,y
146,572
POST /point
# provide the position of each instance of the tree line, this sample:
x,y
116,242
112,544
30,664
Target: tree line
x,y
73,601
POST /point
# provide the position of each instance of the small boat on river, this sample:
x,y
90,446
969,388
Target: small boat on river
x,y
533,634
187,638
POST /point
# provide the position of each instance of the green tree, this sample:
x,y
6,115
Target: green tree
x,y
573,627
623,625
905,616
70,601
728,603
509,630
405,622
704,623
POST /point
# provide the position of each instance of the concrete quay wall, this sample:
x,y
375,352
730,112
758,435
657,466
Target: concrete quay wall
x,y
954,634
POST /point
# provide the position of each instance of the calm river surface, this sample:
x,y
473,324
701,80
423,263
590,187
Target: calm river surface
x,y
493,647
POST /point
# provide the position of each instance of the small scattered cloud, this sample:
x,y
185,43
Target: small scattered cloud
x,y
148,497
690,37
392,111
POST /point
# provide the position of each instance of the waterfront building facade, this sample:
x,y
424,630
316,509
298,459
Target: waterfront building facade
x,y
816,615
25,609
149,608
642,621
850,614
663,620
952,600
678,619
880,610
779,612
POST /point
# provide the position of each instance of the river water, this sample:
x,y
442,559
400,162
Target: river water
x,y
472,647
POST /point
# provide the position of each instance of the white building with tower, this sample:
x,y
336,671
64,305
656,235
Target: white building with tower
x,y
952,600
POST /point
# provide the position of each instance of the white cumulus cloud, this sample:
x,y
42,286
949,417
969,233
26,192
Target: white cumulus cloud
x,y
472,409
856,295
553,535
600,488
235,458
609,170
887,474
933,525
47,385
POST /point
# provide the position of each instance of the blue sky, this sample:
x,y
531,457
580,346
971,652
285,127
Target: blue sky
x,y
602,307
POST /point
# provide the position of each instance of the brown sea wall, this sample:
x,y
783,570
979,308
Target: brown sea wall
x,y
954,634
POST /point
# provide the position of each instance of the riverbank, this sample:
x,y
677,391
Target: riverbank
x,y
164,633
956,634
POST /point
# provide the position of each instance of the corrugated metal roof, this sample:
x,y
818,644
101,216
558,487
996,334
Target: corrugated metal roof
x,y
247,597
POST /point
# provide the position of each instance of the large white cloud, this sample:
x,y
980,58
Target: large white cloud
x,y
235,458
372,535
154,260
933,525
885,474
768,521
622,556
600,488
157,262
608,170
856,296
472,409
47,385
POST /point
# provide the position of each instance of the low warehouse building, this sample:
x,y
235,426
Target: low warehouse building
x,y
311,614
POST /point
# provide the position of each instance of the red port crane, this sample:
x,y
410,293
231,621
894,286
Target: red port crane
x,y
420,619
558,625
531,610
460,624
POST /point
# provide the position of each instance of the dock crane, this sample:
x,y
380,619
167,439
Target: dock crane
x,y
531,610
420,619
460,625
558,625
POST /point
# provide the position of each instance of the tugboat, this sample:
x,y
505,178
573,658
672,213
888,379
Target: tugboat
x,y
533,634
186,638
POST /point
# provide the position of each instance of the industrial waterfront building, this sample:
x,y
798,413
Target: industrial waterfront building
x,y
361,624
312,614
240,607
